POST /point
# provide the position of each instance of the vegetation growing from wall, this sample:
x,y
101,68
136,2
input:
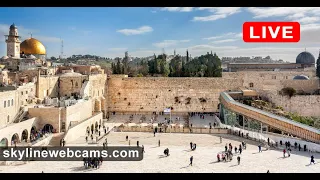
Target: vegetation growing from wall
x,y
278,110
288,91
208,65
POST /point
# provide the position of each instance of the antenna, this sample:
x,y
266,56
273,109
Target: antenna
x,y
30,34
61,55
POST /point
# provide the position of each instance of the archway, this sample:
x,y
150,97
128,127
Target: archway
x,y
48,128
88,130
4,143
96,126
92,128
24,135
15,139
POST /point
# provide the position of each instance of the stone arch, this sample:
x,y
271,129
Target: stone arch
x,y
15,139
4,143
96,126
88,130
48,128
92,128
24,135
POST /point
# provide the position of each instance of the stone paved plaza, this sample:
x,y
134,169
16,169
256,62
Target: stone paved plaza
x,y
204,157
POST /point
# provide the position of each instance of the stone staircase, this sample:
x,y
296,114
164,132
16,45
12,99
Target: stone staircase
x,y
55,141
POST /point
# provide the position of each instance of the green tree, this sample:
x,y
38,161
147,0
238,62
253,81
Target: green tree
x,y
318,67
118,67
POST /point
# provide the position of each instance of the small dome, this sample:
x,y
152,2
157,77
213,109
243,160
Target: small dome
x,y
301,77
305,58
5,57
31,57
13,26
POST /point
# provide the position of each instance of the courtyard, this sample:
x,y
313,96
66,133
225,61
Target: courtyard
x,y
204,161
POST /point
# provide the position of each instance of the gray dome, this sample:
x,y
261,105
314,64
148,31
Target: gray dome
x,y
13,26
301,77
305,58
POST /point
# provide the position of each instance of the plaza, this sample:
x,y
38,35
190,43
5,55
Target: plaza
x,y
204,161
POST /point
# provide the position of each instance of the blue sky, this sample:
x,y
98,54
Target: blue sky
x,y
143,31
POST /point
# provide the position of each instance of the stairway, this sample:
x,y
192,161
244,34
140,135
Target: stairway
x,y
55,141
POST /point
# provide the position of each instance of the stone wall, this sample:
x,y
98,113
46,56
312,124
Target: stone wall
x,y
155,94
308,86
304,105
71,84
26,93
47,86
78,112
8,112
47,115
80,129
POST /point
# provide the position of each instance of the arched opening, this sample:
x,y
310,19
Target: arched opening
x,y
14,139
96,126
48,128
88,130
92,128
24,135
4,143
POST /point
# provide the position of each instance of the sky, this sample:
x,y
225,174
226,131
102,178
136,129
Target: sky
x,y
109,32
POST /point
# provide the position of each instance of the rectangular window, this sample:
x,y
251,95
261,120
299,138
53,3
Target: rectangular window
x,y
12,102
8,103
4,103
21,92
26,92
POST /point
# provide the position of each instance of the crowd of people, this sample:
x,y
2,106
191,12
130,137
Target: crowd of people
x,y
92,162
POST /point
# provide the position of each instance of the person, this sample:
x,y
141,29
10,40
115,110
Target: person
x,y
86,138
191,144
225,148
268,141
289,151
99,132
105,130
284,152
127,137
268,171
218,157
259,148
299,147
312,160
238,158
154,133
191,159
159,143
235,149
240,149
295,145
91,137
142,149
280,142
138,143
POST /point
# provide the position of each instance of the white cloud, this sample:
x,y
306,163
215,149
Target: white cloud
x,y
225,35
169,43
218,13
140,30
224,41
153,11
283,11
177,9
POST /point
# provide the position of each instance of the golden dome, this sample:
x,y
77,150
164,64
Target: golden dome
x,y
32,46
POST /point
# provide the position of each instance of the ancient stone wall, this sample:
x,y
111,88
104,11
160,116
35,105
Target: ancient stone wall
x,y
47,115
71,84
156,94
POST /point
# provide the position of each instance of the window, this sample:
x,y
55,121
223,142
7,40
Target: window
x,y
4,103
21,92
251,85
76,84
8,103
26,92
31,89
274,77
12,102
286,77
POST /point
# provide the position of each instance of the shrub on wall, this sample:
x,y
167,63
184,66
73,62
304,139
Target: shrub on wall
x,y
288,91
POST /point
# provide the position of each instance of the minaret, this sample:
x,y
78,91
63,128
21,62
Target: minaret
x,y
13,42
174,52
